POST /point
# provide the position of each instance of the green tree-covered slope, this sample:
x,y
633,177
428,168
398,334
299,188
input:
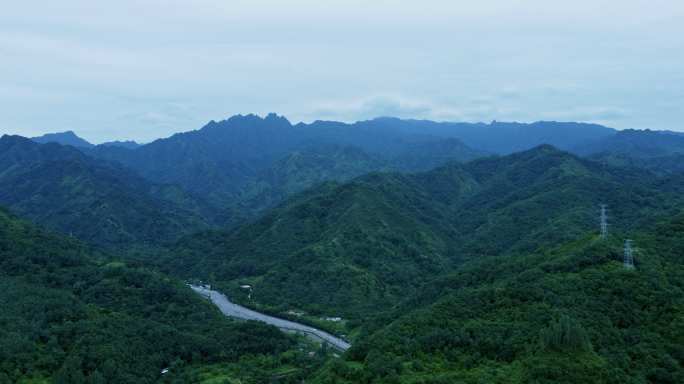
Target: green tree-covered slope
x,y
72,314
568,314
306,167
101,203
346,250
352,248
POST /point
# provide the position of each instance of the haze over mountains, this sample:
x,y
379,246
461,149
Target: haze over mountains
x,y
242,167
453,252
70,138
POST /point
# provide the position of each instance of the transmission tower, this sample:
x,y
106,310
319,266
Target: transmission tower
x,y
604,225
628,261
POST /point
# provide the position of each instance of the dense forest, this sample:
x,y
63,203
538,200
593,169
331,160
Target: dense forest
x,y
102,203
452,252
81,315
569,314
366,244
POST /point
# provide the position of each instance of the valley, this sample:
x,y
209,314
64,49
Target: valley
x,y
231,310
445,252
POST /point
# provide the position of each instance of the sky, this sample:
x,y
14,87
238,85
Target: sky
x,y
142,70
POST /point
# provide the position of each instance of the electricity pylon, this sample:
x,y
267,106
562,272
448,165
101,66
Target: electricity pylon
x,y
604,225
628,261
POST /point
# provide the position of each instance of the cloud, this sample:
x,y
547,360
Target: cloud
x,y
165,115
474,108
371,107
587,114
147,69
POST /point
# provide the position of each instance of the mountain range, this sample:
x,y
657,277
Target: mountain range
x,y
452,252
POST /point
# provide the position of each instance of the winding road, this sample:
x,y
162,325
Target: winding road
x,y
234,310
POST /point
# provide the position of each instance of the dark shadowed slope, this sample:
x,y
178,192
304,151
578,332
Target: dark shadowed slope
x,y
101,203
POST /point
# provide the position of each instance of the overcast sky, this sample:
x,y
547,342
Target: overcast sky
x,y
140,70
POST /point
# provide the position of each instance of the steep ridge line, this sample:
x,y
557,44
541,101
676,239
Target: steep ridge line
x,y
234,310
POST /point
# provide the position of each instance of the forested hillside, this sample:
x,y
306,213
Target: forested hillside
x,y
304,168
446,262
101,203
73,314
353,248
567,314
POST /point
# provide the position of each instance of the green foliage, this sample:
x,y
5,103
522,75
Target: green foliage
x,y
351,249
486,271
103,204
497,315
74,314
566,333
306,167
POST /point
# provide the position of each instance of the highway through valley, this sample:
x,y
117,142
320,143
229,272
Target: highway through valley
x,y
234,310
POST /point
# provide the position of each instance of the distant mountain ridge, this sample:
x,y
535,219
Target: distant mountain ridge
x,y
70,138
217,159
660,151
64,138
504,138
130,144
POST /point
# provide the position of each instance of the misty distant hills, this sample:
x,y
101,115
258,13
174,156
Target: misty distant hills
x,y
130,144
248,164
637,143
64,138
504,138
216,160
70,138
659,151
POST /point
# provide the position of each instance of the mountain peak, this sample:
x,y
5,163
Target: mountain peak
x,y
274,119
64,138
